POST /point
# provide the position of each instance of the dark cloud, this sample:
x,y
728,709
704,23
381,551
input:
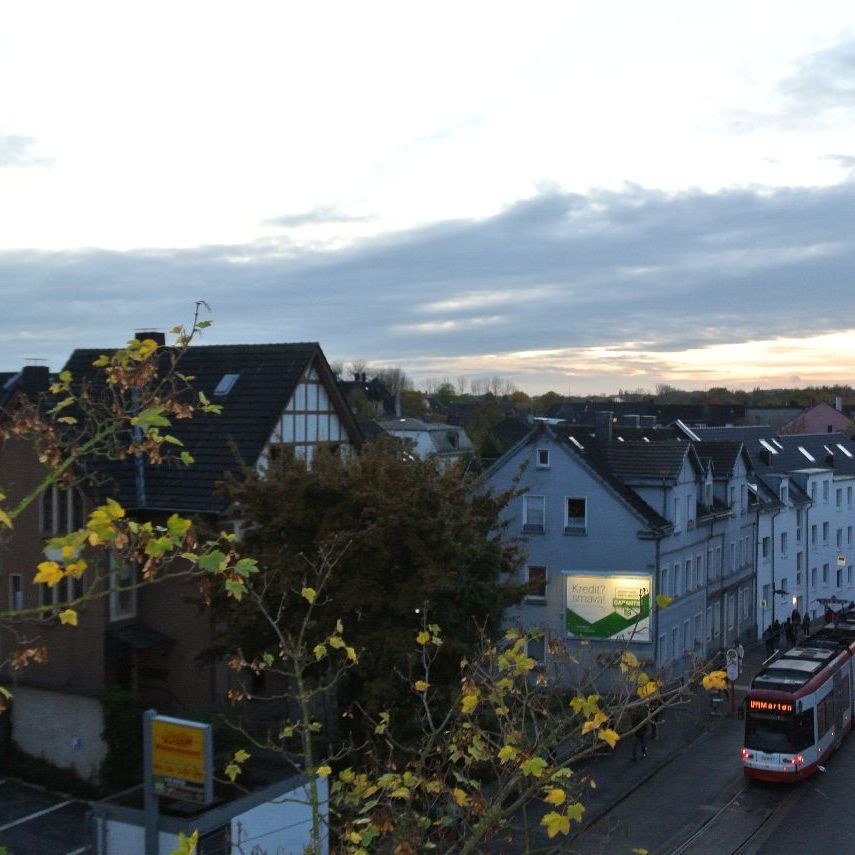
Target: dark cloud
x,y
661,271
317,216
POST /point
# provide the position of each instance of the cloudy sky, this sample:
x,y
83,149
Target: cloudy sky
x,y
576,195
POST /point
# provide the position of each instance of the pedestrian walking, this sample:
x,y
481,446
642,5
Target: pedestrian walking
x,y
740,655
767,637
806,624
797,621
640,724
790,633
776,634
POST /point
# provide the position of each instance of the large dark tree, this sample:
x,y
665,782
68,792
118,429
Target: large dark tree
x,y
408,537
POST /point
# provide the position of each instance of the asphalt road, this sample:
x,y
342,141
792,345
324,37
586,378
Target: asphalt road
x,y
36,822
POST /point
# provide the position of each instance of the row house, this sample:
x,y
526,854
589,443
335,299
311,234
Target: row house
x,y
148,639
806,486
613,518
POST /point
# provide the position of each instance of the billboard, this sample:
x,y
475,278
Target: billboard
x,y
608,606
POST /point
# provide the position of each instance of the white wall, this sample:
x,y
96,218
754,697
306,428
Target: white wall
x,y
63,729
280,826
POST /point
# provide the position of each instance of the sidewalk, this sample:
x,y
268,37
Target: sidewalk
x,y
707,745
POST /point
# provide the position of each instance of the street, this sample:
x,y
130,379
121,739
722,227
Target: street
x,y
36,822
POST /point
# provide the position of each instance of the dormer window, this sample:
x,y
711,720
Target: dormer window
x,y
227,382
783,493
543,458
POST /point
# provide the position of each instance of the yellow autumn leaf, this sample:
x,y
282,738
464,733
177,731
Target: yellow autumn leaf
x,y
630,660
67,551
608,735
68,616
320,651
49,573
598,719
423,638
575,811
555,823
555,797
715,681
506,753
324,771
5,519
460,797
76,568
309,594
420,686
639,851
649,688
350,653
662,601
468,703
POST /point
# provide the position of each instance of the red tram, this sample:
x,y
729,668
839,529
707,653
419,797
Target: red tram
x,y
800,706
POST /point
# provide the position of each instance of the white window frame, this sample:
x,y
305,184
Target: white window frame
x,y
533,501
541,463
575,528
536,598
16,598
118,570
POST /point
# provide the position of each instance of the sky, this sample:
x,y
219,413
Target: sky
x,y
576,196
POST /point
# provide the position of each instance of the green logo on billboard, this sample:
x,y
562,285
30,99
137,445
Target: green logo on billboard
x,y
627,601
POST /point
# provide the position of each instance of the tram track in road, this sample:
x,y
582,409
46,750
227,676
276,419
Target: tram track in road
x,y
742,823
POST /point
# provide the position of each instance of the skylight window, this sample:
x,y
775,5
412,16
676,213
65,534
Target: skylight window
x,y
226,384
577,443
778,444
768,447
646,438
807,454
620,439
845,450
828,450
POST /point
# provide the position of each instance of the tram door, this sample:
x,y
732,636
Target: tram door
x,y
841,702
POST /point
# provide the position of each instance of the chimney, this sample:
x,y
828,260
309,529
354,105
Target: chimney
x,y
603,427
838,404
35,378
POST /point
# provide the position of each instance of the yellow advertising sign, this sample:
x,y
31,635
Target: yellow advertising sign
x,y
178,750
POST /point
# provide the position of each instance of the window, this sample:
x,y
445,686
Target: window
x,y
743,498
16,592
688,573
227,382
662,651
543,458
687,636
699,629
765,546
676,513
534,513
840,537
798,579
849,575
732,556
123,593
839,576
784,584
689,515
675,643
537,580
838,498
825,492
849,497
825,532
825,574
746,602
699,571
767,593
676,580
813,534
813,577
849,535
61,510
718,561
710,572
535,648
783,543
731,611
48,597
709,622
782,493
575,519
664,584
799,559
733,497
812,486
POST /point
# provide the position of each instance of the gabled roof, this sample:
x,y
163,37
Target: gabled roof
x,y
722,455
267,375
633,462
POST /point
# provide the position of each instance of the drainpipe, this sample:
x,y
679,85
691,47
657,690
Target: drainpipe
x,y
655,611
807,556
774,595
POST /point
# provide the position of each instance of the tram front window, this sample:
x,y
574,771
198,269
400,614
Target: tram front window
x,y
778,734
